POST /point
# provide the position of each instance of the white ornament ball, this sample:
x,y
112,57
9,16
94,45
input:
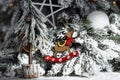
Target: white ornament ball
x,y
98,20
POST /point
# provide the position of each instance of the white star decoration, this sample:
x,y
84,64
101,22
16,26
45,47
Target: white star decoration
x,y
51,5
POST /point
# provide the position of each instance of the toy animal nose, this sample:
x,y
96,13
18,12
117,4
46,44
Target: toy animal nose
x,y
75,34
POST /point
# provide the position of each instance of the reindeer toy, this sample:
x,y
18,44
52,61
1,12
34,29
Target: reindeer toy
x,y
64,44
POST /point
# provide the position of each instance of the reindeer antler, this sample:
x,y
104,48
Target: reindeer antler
x,y
65,23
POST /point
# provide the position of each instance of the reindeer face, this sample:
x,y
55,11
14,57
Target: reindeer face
x,y
72,34
69,33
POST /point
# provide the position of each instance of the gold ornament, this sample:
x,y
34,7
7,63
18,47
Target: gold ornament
x,y
26,48
11,5
114,3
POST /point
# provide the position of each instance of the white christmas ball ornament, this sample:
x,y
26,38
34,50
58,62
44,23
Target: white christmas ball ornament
x,y
98,19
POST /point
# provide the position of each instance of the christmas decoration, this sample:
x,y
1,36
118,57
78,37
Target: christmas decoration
x,y
11,5
63,59
26,48
98,20
62,44
116,3
52,11
27,35
34,43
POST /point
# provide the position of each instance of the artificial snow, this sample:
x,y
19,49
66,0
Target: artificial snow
x,y
100,76
92,58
